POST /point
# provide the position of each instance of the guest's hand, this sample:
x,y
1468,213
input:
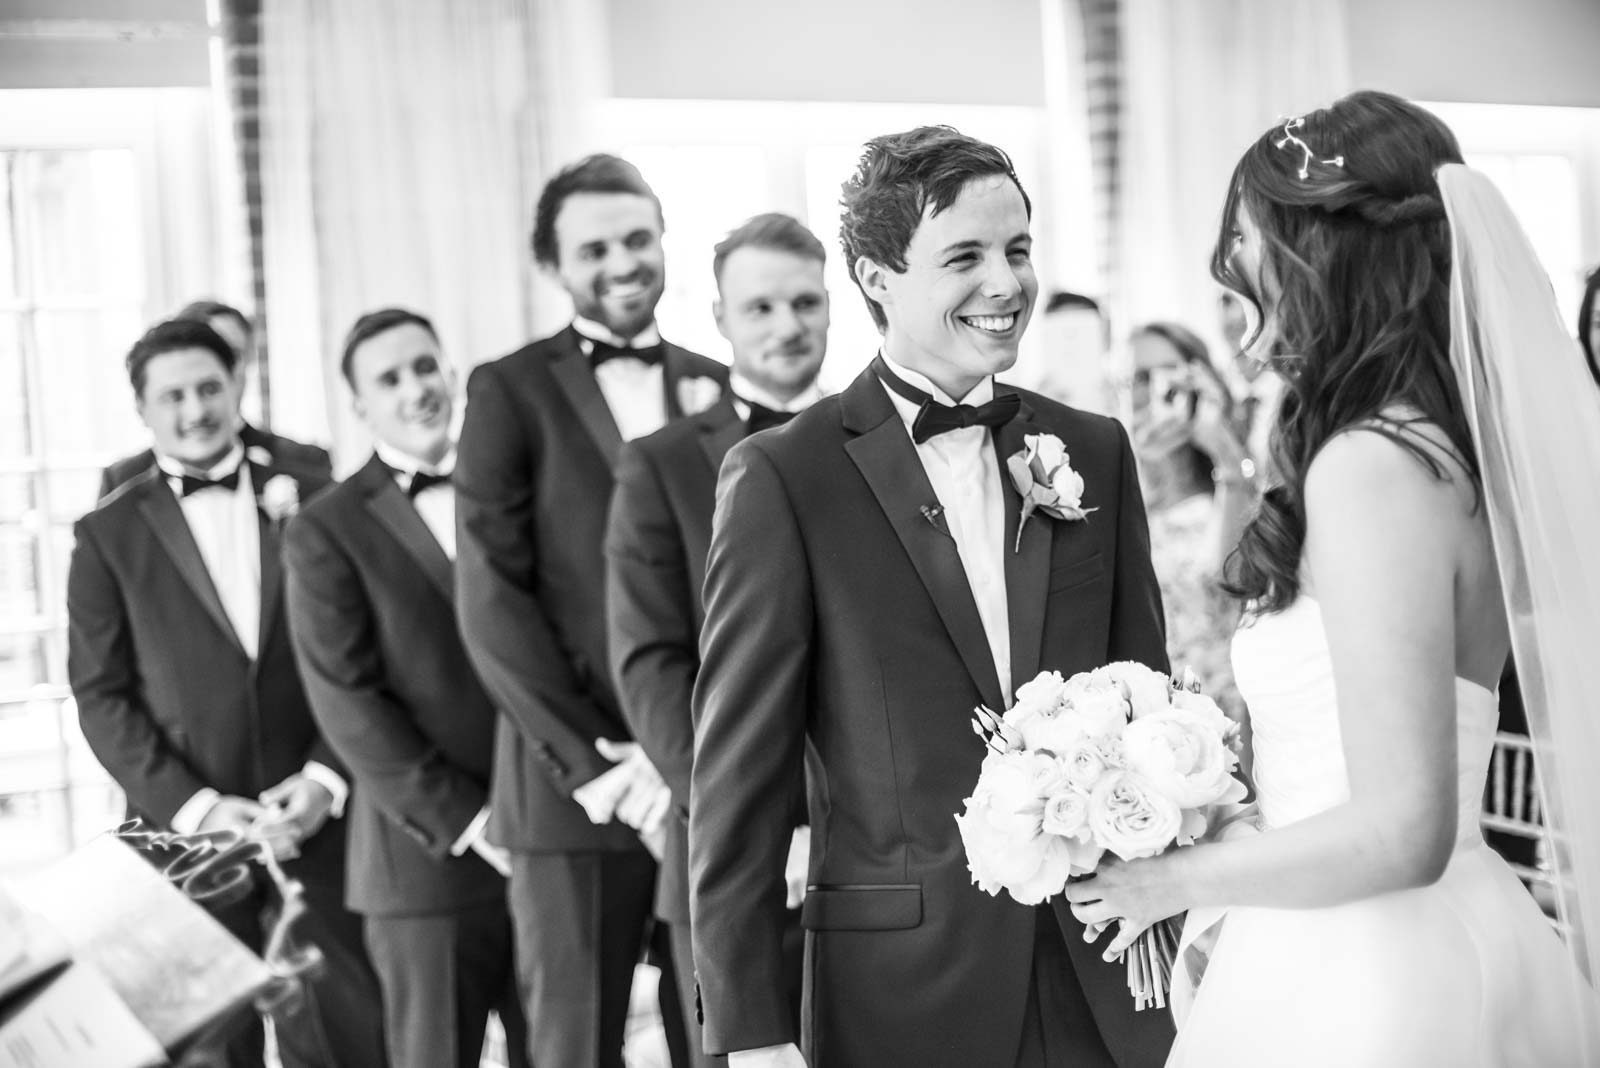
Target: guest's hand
x,y
1210,429
784,1056
607,795
231,814
1134,894
296,810
797,870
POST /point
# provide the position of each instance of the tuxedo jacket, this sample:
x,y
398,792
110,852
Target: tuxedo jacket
x,y
533,484
371,598
287,451
656,546
839,619
167,697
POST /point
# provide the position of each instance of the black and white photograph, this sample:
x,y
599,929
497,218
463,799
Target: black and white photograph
x,y
873,534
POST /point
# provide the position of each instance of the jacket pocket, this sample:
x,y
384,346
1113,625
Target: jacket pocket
x,y
1076,573
886,907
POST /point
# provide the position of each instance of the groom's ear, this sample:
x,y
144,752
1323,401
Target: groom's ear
x,y
873,278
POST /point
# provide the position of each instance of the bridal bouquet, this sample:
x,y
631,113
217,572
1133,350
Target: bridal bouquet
x,y
1120,759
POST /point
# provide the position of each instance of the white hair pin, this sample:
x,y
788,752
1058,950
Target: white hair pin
x,y
1289,137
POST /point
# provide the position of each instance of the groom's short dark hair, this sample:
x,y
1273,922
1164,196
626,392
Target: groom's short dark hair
x,y
899,176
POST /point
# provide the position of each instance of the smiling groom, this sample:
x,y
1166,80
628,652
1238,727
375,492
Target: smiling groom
x,y
867,586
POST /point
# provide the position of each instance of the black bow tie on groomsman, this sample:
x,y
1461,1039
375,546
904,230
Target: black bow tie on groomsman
x,y
764,418
195,484
934,418
601,351
425,480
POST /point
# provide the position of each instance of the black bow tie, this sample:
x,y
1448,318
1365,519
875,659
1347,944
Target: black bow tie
x,y
195,484
934,418
425,480
601,351
764,418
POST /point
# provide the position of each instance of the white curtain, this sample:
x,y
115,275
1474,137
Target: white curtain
x,y
402,147
1202,79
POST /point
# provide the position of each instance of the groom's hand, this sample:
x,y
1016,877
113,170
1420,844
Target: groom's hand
x,y
784,1056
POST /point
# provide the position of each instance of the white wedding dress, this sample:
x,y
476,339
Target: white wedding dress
x,y
1466,972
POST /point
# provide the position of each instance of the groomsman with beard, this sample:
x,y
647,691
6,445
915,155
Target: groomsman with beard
x,y
571,792
179,657
871,580
773,308
229,322
371,602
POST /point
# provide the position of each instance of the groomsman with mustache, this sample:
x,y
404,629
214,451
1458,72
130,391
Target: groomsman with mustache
x,y
572,796
232,326
772,307
371,589
179,658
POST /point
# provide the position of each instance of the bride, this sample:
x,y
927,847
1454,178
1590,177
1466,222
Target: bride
x,y
1370,924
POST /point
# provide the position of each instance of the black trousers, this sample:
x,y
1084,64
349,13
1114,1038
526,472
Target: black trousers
x,y
441,975
581,920
1058,1028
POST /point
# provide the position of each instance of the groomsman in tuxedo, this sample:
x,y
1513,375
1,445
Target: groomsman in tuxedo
x,y
179,657
571,792
371,606
229,322
772,307
871,580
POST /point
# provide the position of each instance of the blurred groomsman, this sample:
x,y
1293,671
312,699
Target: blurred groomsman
x,y
229,322
571,792
187,691
372,612
773,309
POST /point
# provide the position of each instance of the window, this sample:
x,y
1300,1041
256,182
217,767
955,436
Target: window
x,y
98,225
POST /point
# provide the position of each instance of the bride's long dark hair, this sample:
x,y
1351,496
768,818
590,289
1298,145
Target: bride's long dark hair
x,y
1353,290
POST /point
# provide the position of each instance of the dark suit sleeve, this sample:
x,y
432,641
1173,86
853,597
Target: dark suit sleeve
x,y
749,751
1138,626
650,620
101,667
508,636
393,763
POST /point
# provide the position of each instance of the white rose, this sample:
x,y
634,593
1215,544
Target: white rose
x,y
1044,690
1066,814
1068,485
1099,703
1147,691
1084,763
1131,818
1183,755
1047,449
280,497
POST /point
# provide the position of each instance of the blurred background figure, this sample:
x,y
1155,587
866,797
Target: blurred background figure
x,y
1069,366
1199,484
1589,323
233,327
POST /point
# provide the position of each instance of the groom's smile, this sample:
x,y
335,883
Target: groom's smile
x,y
958,310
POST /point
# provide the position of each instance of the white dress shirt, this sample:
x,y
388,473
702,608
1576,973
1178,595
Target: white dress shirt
x,y
965,474
635,391
226,529
743,390
436,504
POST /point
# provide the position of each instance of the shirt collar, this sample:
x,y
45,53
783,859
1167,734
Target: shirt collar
x,y
591,332
744,389
982,393
225,466
405,466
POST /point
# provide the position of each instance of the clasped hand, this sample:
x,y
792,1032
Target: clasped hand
x,y
1134,894
632,792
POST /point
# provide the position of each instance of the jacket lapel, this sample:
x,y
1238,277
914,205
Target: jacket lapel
x,y
160,509
271,552
1027,561
399,517
576,379
720,430
884,454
